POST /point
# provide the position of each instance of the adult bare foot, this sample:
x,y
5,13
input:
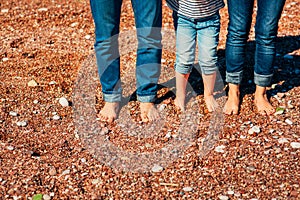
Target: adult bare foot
x,y
148,112
211,103
179,103
232,105
109,112
261,101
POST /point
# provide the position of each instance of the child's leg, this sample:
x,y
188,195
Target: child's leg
x,y
181,82
261,101
209,85
208,38
185,57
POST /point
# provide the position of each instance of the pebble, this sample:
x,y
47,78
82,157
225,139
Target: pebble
x,y
52,171
279,111
87,37
74,24
254,129
46,197
295,145
63,102
83,160
157,168
4,59
288,121
35,101
67,171
280,95
220,149
43,9
56,117
13,113
4,10
22,123
230,192
282,140
187,189
52,83
10,148
223,197
95,181
32,83
289,104
162,107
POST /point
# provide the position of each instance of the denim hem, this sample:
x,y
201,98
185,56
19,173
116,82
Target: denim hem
x,y
112,97
148,98
262,80
183,69
208,70
234,77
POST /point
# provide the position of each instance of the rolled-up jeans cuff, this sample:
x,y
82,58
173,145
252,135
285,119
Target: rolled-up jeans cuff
x,y
262,80
148,98
183,69
112,97
208,70
234,77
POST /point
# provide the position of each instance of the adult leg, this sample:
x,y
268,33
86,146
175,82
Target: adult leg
x,y
240,16
266,27
208,38
148,20
106,15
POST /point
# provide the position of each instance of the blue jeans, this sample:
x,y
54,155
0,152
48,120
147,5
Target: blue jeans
x,y
189,31
266,27
106,15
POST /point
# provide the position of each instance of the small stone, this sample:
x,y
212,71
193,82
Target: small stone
x,y
4,10
35,101
52,83
32,83
288,121
4,59
288,56
289,104
168,135
279,111
220,149
187,189
83,160
56,117
95,181
67,171
22,123
223,197
10,148
42,9
295,145
280,95
63,102
52,194
157,168
13,113
87,37
52,171
74,24
162,107
230,192
46,197
282,140
147,145
254,129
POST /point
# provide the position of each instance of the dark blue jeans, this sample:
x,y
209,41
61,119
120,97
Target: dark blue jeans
x,y
266,27
148,20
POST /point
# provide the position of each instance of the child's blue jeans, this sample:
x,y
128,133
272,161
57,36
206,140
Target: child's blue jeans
x,y
190,31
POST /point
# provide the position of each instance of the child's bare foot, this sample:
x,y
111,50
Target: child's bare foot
x,y
232,105
261,101
109,112
148,112
179,103
211,103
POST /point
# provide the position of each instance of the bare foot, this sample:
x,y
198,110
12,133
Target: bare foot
x,y
211,103
179,103
232,105
109,112
261,101
148,112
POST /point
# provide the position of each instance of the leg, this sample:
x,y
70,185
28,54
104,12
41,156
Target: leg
x,y
208,39
106,15
240,16
185,57
148,20
268,15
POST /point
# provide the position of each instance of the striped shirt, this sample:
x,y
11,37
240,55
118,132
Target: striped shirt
x,y
196,9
